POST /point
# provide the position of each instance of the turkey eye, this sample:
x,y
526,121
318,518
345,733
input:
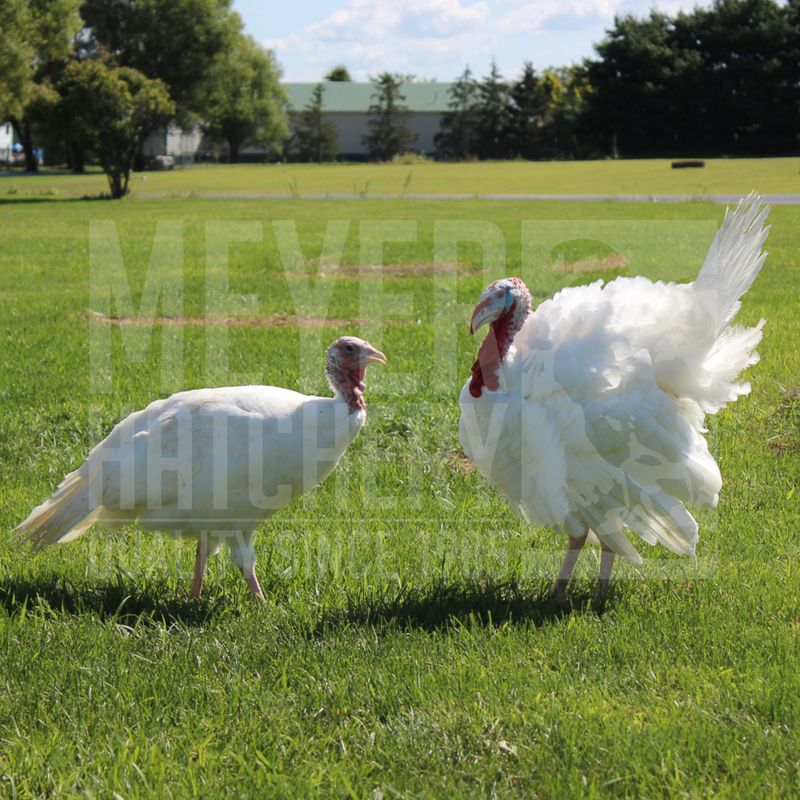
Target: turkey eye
x,y
349,348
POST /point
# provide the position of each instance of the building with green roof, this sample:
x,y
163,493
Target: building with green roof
x,y
346,104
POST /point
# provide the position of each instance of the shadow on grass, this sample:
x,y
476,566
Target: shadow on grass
x,y
114,602
448,605
12,199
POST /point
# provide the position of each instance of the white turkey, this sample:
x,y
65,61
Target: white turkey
x,y
212,464
588,414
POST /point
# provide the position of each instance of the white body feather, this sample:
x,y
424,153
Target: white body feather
x,y
209,461
598,419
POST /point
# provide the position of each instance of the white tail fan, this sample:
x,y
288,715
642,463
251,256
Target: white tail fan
x,y
734,258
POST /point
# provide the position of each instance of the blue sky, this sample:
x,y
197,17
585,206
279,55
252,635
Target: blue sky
x,y
432,38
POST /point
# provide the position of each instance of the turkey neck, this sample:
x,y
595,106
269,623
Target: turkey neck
x,y
350,385
494,350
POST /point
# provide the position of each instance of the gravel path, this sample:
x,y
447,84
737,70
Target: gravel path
x,y
774,199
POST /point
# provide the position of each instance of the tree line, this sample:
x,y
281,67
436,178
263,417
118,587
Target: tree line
x,y
712,81
92,78
96,77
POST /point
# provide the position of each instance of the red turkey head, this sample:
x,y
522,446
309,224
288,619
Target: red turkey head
x,y
346,364
499,299
505,304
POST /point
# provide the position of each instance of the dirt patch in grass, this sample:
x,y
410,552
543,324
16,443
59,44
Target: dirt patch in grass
x,y
367,271
615,261
402,270
273,321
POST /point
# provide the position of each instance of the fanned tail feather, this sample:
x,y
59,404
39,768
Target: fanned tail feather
x,y
703,370
734,259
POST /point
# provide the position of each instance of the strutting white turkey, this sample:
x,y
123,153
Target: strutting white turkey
x,y
588,414
212,464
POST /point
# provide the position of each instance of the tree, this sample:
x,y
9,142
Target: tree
x,y
314,136
246,102
16,55
529,100
715,80
116,108
631,101
743,44
338,74
492,115
388,129
457,129
566,133
176,41
36,37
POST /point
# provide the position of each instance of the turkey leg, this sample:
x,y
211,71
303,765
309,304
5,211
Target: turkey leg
x,y
574,547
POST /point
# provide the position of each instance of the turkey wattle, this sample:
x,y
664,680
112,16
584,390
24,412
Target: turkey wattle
x,y
588,414
212,464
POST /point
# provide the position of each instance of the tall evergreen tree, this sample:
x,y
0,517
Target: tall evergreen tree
x,y
492,133
314,136
389,133
458,127
529,102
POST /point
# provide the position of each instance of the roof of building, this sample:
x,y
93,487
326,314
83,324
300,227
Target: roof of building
x,y
351,96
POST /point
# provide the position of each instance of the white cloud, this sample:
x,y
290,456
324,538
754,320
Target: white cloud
x,y
415,37
438,37
533,17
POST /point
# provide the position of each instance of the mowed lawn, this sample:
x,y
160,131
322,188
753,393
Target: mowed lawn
x,y
638,177
408,647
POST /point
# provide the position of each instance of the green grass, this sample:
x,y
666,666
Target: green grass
x,y
407,647
653,176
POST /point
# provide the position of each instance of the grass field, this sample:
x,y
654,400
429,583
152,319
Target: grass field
x,y
720,176
408,647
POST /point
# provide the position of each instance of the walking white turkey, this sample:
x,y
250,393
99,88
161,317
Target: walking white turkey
x,y
212,464
588,414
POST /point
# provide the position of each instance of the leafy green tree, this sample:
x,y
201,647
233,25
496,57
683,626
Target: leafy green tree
x,y
458,127
116,108
246,104
388,134
742,46
338,74
176,41
36,37
566,133
631,80
715,80
790,78
492,115
16,55
314,136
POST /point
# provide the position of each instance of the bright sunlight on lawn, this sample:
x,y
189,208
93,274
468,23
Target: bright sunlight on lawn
x,y
641,177
408,646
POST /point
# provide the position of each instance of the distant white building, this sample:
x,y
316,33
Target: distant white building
x,y
172,141
346,104
6,141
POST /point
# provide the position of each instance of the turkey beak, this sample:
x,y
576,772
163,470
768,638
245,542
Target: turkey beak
x,y
488,310
373,356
